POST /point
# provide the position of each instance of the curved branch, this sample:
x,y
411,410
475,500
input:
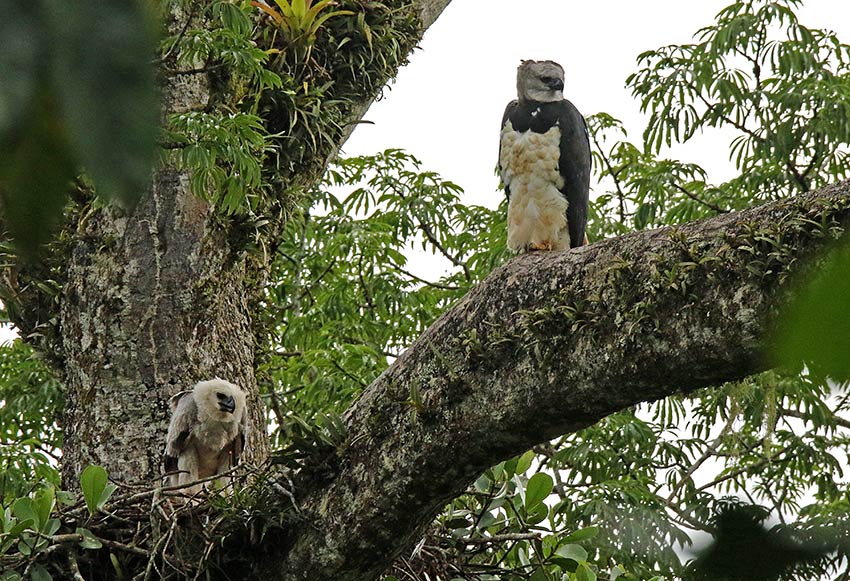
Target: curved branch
x,y
548,344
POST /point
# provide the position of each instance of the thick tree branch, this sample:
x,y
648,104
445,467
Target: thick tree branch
x,y
550,343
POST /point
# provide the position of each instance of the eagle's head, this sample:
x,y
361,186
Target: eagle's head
x,y
219,400
541,81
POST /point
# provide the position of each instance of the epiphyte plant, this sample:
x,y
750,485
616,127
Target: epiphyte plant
x,y
299,21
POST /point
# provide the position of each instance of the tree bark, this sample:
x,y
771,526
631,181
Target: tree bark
x,y
548,344
154,301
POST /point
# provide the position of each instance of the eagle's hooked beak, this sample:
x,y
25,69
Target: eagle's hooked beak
x,y
227,405
555,84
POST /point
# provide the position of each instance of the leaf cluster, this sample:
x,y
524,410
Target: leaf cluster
x,y
299,21
284,87
32,401
345,302
782,87
31,527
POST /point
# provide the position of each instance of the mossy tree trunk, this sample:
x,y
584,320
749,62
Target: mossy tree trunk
x,y
152,301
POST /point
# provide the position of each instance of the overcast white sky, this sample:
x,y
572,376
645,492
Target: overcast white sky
x,y
446,105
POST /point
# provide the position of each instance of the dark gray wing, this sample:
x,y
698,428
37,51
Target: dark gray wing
x,y
509,110
184,416
574,167
239,442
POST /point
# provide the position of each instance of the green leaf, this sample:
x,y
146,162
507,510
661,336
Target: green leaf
x,y
581,535
35,173
39,573
108,490
575,552
93,482
524,462
25,511
644,215
457,523
536,513
616,571
43,503
539,487
20,61
51,527
815,328
25,544
65,497
89,540
585,573
106,84
20,527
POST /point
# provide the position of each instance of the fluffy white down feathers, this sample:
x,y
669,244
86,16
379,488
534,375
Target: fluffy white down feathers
x,y
207,432
537,211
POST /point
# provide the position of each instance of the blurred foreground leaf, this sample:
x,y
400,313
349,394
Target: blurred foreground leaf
x,y
77,91
35,176
816,328
105,79
19,32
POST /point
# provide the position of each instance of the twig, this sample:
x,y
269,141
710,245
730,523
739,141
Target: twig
x,y
742,470
615,175
709,451
500,538
426,282
75,567
132,498
839,421
429,234
162,543
342,370
126,548
699,200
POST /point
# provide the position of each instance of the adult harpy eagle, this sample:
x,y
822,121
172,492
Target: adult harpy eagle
x,y
544,162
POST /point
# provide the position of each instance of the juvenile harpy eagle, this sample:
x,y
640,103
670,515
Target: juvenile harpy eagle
x,y
207,432
544,162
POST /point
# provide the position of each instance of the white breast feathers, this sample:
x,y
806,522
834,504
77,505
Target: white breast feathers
x,y
537,211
